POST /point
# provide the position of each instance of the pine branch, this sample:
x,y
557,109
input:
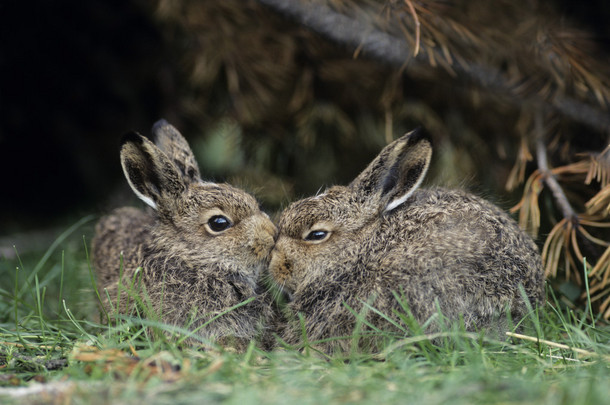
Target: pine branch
x,y
382,46
548,177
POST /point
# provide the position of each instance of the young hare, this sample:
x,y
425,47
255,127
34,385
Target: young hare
x,y
380,238
197,253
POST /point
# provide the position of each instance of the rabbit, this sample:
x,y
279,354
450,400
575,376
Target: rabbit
x,y
198,251
381,238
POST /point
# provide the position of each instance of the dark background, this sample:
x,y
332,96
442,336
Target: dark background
x,y
74,76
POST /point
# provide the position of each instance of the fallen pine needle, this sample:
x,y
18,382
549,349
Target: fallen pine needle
x,y
558,345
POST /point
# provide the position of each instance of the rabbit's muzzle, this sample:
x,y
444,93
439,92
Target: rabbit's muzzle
x,y
280,267
263,234
281,270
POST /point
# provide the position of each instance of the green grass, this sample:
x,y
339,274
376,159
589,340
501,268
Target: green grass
x,y
49,335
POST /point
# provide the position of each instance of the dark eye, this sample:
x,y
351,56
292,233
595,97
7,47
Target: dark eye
x,y
314,236
219,223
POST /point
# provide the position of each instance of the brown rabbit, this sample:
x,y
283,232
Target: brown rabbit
x,y
197,253
380,238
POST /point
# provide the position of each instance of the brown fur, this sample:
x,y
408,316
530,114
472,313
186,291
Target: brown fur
x,y
188,271
437,246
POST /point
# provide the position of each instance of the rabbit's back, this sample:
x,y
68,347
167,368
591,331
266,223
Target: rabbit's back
x,y
454,248
117,246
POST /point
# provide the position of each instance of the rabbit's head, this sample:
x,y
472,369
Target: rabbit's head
x,y
207,225
326,232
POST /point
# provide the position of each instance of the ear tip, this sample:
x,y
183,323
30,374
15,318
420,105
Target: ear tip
x,y
131,137
160,125
417,135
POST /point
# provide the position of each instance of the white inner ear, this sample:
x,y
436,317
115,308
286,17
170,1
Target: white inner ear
x,y
149,201
400,200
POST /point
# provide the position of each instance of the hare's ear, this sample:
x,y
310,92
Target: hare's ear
x,y
170,141
150,173
396,172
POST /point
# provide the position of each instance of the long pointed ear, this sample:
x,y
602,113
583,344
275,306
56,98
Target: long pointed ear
x,y
170,141
150,173
393,176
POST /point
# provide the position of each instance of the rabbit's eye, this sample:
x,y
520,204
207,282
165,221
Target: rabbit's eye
x,y
317,236
219,223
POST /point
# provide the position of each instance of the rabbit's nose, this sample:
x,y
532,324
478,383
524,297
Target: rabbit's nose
x,y
263,234
270,229
279,268
273,231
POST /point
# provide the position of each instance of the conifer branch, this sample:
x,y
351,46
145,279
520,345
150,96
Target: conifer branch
x,y
382,46
547,176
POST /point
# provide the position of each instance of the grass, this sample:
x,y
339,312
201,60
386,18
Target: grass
x,y
52,350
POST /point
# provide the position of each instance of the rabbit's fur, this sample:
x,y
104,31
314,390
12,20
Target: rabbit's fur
x,y
177,254
380,237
